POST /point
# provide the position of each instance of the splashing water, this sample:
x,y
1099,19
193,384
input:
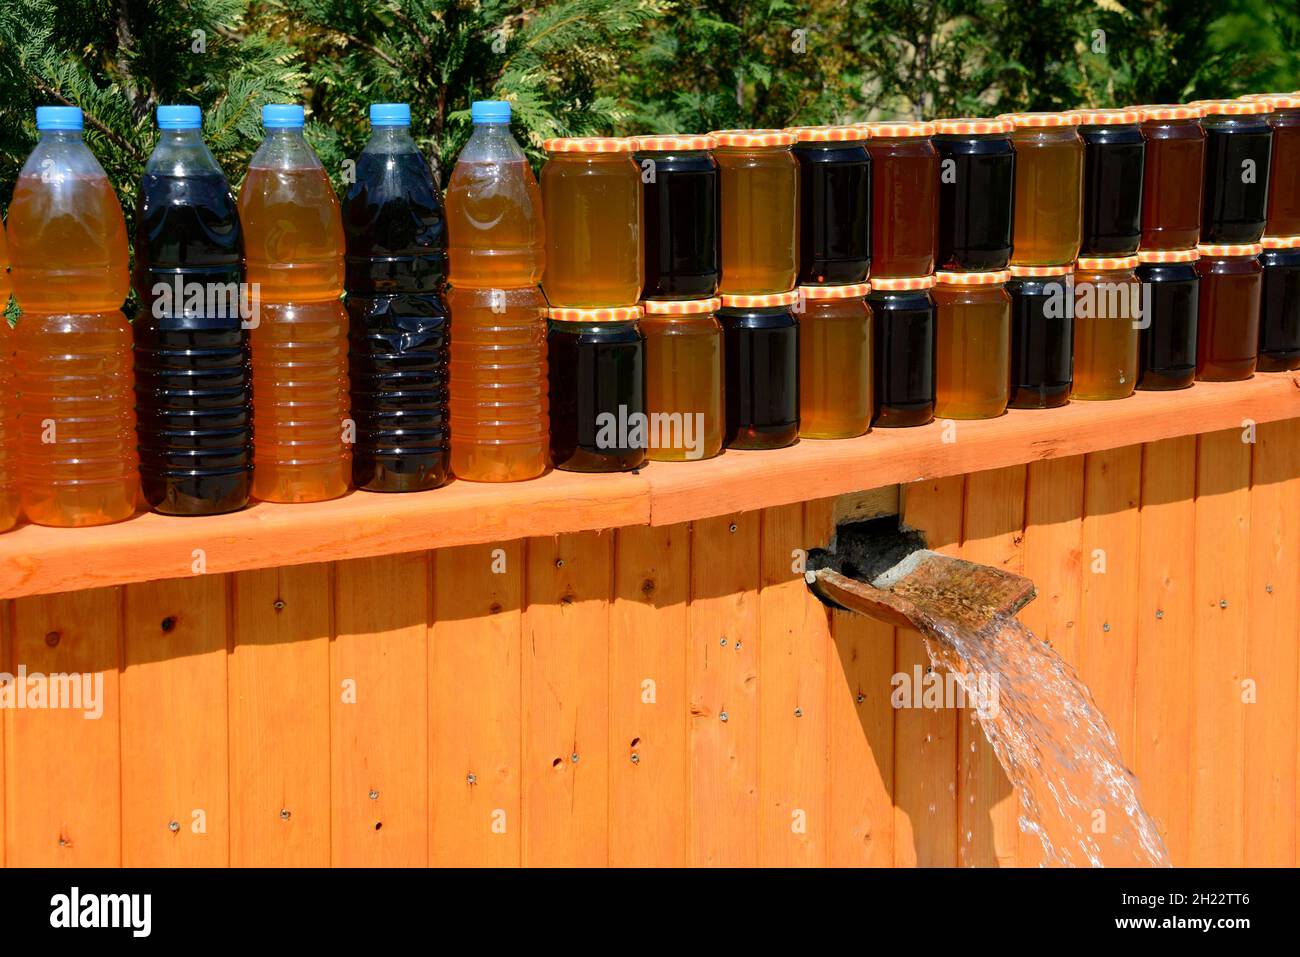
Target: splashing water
x,y
1053,742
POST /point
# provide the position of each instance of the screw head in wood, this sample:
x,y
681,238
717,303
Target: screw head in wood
x,y
173,826
374,795
284,814
471,778
722,716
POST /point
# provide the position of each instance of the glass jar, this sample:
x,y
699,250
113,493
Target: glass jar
x,y
977,184
597,389
1113,154
761,370
591,202
1048,217
835,359
902,320
1042,336
679,213
905,199
1283,217
834,204
759,184
1227,337
1172,176
1238,147
683,379
1107,315
1167,346
1279,318
972,350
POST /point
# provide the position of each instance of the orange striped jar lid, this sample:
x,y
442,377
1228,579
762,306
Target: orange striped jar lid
x,y
590,144
681,307
1108,117
902,283
990,277
601,314
753,137
1030,120
1106,263
1279,101
828,134
976,126
850,290
763,301
1233,107
899,129
1223,250
664,143
1170,111
1034,272
1168,255
1280,242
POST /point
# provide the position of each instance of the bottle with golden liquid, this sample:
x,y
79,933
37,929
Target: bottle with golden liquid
x,y
10,504
293,240
759,184
592,189
972,348
683,378
496,245
77,461
835,359
1048,228
1108,313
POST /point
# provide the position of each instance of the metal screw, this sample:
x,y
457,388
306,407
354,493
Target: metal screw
x,y
1269,589
574,757
278,604
559,563
737,646
173,826
284,814
52,638
798,712
1223,603
1159,613
731,527
722,716
374,795
723,641
636,759
861,698
470,778
1105,626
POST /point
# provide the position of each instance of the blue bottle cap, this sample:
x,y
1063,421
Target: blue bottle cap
x,y
59,118
490,111
390,114
179,117
282,116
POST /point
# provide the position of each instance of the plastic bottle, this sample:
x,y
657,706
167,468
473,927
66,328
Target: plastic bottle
x,y
496,244
193,376
293,240
398,321
67,238
10,504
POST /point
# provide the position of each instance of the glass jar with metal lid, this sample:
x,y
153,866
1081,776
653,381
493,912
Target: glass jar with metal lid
x,y
1042,335
1227,336
1049,188
905,198
759,184
835,358
1279,317
1107,315
1238,151
972,351
1172,176
761,370
902,332
1283,216
1113,154
679,212
977,176
834,204
1167,346
683,379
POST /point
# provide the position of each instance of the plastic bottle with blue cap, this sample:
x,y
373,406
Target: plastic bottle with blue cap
x,y
499,421
293,243
193,372
399,326
67,246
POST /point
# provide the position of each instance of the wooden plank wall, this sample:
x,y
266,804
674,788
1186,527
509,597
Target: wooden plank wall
x,y
672,696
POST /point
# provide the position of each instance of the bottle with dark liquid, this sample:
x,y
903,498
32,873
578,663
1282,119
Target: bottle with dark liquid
x,y
977,175
680,210
396,270
760,370
1042,336
596,362
193,375
1283,217
1172,176
1227,336
1279,318
834,204
1113,154
903,334
1238,149
905,199
1167,346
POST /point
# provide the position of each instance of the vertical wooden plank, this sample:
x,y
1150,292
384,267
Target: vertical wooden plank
x,y
279,701
1107,640
724,815
925,740
566,700
474,705
647,697
793,645
1272,650
988,807
379,747
63,787
175,762
1164,594
1219,648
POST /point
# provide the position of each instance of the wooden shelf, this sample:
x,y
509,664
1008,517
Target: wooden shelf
x,y
36,560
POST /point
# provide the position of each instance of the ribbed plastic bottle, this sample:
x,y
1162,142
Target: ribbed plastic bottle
x,y
67,245
293,245
193,375
496,236
9,501
398,324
